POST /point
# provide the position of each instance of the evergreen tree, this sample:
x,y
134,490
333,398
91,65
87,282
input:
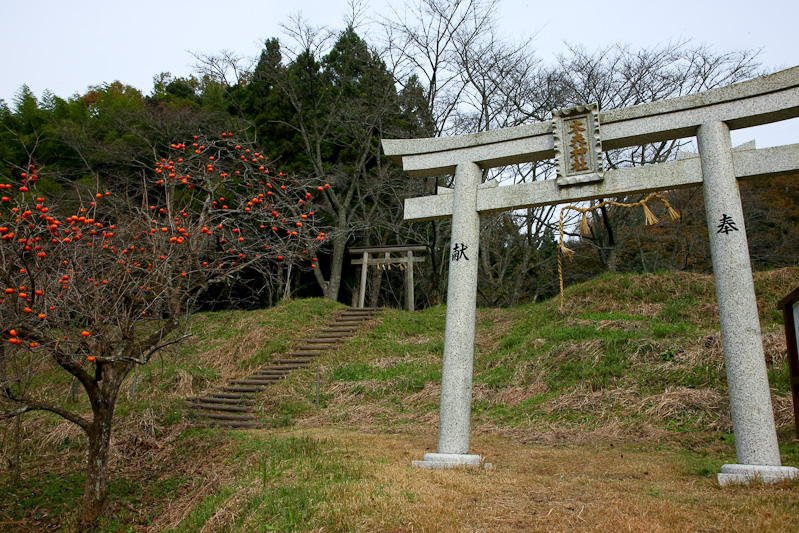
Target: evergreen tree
x,y
324,117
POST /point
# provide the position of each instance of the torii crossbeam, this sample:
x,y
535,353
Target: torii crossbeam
x,y
709,116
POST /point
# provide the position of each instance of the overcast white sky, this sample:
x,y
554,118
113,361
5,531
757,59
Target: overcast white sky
x,y
67,46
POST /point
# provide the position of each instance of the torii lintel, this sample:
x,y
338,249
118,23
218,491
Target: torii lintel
x,y
759,101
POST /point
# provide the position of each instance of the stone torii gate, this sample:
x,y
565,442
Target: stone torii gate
x,y
575,140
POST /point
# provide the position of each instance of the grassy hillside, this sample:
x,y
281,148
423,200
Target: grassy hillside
x,y
612,408
627,357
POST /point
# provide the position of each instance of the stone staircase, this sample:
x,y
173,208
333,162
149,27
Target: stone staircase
x,y
231,405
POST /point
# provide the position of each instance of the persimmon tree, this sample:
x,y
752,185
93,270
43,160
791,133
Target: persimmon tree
x,y
98,290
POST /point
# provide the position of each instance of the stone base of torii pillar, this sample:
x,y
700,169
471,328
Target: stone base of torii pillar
x,y
451,460
733,474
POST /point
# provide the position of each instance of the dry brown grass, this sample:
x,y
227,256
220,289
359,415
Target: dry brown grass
x,y
586,459
61,433
510,396
710,406
227,357
230,512
535,487
178,509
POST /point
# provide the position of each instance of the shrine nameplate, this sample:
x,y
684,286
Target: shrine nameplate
x,y
578,148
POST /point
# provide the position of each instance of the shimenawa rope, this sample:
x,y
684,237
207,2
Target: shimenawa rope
x,y
651,219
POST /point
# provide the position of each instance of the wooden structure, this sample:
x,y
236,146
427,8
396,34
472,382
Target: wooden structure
x,y
405,259
790,310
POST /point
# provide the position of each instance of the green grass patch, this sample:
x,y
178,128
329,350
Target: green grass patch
x,y
288,480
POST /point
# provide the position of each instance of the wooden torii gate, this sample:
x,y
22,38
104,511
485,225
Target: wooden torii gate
x,y
575,140
407,259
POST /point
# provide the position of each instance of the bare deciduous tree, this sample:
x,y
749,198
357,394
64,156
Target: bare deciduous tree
x,y
619,76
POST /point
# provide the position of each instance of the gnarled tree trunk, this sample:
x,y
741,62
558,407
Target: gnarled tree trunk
x,y
95,490
102,396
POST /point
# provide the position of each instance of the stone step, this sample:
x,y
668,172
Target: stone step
x,y
236,418
306,351
317,346
292,364
221,401
230,395
232,424
241,389
228,405
265,381
254,377
287,366
217,407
